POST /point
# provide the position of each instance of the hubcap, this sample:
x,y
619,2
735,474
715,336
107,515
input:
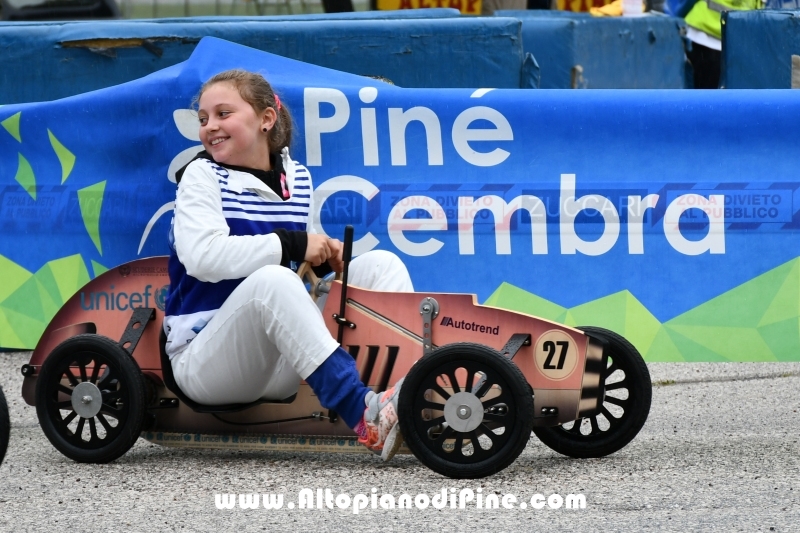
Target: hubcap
x,y
463,412
87,399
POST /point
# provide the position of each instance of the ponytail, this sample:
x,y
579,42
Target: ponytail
x,y
280,136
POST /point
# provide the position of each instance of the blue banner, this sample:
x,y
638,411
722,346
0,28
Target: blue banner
x,y
669,216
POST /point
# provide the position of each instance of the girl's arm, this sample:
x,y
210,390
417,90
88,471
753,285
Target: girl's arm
x,y
202,240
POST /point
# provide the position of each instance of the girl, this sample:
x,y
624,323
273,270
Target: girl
x,y
240,325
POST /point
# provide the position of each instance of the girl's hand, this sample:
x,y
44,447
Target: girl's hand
x,y
336,260
318,249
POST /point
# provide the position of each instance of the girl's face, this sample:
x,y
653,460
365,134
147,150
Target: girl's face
x,y
230,129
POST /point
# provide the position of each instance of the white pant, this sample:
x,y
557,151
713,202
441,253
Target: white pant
x,y
269,334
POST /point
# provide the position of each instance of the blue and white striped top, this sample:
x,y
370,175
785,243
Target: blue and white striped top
x,y
215,205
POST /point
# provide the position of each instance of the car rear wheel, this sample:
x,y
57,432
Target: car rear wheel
x,y
90,399
624,408
5,426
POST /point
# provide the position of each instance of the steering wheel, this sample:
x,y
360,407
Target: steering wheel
x,y
316,286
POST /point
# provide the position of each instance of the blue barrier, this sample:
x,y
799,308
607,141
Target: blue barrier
x,y
671,217
434,12
782,4
757,48
50,61
612,52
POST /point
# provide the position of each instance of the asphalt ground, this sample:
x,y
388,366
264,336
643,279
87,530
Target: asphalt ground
x,y
719,452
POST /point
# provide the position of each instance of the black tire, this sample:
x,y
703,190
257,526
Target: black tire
x,y
630,397
117,425
5,426
503,397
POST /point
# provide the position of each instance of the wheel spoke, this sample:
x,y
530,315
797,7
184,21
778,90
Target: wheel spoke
x,y
427,424
617,385
111,408
616,401
459,444
430,405
576,427
69,419
83,371
109,378
610,370
111,411
104,423
79,429
93,430
71,377
444,435
595,426
612,420
484,388
66,390
477,452
111,395
491,435
95,371
439,390
470,379
451,375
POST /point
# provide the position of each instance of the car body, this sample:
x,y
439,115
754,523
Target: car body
x,y
554,373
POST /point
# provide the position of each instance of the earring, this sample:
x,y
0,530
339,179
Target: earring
x,y
265,130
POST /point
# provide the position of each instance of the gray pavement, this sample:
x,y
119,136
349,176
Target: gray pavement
x,y
720,452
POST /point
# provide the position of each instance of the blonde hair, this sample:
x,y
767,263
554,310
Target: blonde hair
x,y
256,91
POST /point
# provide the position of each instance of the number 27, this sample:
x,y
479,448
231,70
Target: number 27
x,y
550,346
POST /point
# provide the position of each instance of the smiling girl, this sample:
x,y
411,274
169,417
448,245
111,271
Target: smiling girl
x,y
240,324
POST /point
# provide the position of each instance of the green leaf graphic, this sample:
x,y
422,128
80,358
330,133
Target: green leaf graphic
x,y
623,313
91,202
513,298
11,124
98,268
65,157
758,320
25,176
13,277
8,339
69,273
31,301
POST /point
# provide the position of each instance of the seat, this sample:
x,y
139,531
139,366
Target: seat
x,y
169,382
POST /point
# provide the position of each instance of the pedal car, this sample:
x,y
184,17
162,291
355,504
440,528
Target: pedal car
x,y
478,379
5,426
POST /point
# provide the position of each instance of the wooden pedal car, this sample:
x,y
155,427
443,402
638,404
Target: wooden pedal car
x,y
5,426
478,379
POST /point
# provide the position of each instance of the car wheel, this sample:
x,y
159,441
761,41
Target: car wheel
x,y
90,399
5,426
465,411
626,403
